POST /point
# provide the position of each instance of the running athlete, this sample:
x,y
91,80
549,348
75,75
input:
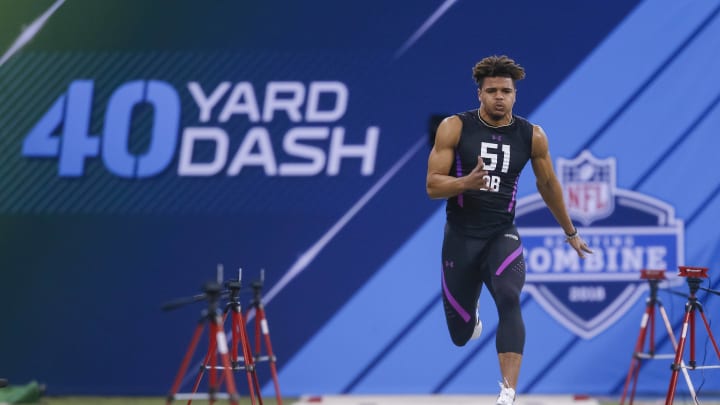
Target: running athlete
x,y
475,164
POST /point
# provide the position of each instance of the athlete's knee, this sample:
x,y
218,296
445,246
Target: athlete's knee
x,y
460,340
507,297
509,305
460,334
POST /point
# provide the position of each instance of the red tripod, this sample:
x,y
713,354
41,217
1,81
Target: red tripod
x,y
694,277
648,321
239,337
217,344
261,325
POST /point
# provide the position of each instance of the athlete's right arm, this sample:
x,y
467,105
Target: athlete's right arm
x,y
439,183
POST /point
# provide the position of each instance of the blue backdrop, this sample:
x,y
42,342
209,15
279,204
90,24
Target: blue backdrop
x,y
143,143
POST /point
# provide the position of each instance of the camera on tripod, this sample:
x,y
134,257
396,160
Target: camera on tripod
x,y
693,272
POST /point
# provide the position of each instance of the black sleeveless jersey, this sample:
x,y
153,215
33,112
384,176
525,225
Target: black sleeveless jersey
x,y
505,151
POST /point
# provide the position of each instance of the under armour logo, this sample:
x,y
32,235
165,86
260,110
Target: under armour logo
x,y
496,138
449,264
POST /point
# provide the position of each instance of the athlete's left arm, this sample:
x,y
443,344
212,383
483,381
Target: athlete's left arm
x,y
550,189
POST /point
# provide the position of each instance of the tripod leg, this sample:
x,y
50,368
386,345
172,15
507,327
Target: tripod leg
x,y
692,340
227,367
201,372
677,363
218,335
247,354
235,338
260,314
203,367
635,362
712,338
213,387
185,362
686,375
233,347
258,343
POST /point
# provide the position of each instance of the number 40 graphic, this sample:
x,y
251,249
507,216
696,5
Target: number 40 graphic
x,y
72,111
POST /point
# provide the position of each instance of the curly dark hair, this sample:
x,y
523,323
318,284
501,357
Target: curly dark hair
x,y
497,66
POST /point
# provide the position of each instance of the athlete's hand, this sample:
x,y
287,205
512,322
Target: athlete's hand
x,y
477,179
579,245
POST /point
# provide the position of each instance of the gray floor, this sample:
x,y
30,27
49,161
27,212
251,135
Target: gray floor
x,y
486,400
443,400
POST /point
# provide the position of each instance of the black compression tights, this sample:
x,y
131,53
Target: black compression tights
x,y
468,264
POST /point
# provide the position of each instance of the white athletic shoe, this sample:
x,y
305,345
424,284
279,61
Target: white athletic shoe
x,y
506,396
478,325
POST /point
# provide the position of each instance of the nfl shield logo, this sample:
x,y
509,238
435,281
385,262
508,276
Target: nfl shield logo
x,y
630,232
589,187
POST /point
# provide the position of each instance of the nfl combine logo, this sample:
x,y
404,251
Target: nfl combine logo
x,y
627,231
